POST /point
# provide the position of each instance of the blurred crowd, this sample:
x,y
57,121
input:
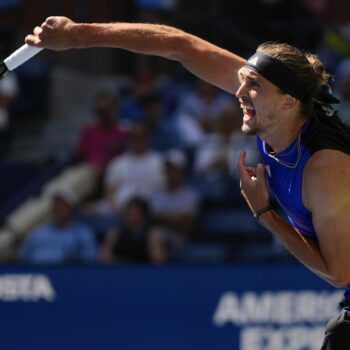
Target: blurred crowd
x,y
155,172
152,167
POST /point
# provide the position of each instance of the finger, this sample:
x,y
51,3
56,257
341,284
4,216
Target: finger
x,y
240,163
251,171
51,20
260,171
33,40
37,30
46,26
243,173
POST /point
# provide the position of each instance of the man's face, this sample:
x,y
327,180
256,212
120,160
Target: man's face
x,y
139,138
62,210
260,100
105,109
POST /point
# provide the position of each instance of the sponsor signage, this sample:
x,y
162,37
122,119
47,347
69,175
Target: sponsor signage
x,y
139,307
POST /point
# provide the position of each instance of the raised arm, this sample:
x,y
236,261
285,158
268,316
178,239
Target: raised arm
x,y
205,60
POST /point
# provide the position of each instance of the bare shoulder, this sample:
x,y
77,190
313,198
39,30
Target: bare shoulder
x,y
326,175
327,161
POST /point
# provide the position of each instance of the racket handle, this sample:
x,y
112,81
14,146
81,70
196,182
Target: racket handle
x,y
23,54
3,70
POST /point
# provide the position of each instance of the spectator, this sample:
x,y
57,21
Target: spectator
x,y
164,132
219,151
138,172
103,140
173,210
8,93
143,83
64,240
197,109
128,242
99,142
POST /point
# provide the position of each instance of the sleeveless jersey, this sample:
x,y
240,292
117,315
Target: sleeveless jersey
x,y
285,182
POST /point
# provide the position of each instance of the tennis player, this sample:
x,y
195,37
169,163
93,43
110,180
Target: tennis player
x,y
286,102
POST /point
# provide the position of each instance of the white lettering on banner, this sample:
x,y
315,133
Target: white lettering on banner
x,y
288,338
21,287
282,308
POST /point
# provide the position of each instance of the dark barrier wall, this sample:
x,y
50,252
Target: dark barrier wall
x,y
129,308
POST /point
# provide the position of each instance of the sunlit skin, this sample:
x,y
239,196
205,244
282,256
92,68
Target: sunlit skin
x,y
267,111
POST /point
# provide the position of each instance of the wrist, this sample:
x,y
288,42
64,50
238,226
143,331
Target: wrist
x,y
262,211
77,33
267,219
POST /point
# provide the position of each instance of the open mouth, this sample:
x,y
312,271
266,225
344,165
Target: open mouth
x,y
249,112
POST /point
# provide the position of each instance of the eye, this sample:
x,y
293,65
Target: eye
x,y
254,83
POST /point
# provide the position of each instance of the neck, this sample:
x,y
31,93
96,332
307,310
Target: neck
x,y
280,136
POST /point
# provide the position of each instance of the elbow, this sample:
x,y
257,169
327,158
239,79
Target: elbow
x,y
339,280
339,283
179,47
184,47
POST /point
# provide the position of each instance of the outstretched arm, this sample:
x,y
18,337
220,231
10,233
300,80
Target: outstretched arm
x,y
205,60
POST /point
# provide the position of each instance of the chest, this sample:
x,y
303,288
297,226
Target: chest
x,y
285,178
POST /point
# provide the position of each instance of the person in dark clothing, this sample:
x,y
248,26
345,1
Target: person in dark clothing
x,y
128,242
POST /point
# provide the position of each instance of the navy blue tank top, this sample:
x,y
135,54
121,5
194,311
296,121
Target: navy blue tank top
x,y
285,176
285,180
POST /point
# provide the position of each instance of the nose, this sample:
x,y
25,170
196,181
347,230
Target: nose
x,y
241,92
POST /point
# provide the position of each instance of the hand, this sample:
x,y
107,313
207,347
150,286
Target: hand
x,y
253,184
53,34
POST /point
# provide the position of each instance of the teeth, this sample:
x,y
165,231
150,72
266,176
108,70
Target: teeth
x,y
248,107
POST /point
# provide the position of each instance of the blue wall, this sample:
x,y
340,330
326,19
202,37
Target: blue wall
x,y
127,308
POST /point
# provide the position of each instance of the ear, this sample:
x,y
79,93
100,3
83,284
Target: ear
x,y
290,102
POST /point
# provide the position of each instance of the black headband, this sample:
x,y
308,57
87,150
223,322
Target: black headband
x,y
278,74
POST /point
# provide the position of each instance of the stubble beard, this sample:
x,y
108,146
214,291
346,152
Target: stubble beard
x,y
250,131
259,129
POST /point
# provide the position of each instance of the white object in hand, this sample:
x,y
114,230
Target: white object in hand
x,y
23,54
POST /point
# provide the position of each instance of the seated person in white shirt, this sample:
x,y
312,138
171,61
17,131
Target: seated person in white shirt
x,y
173,210
219,151
136,173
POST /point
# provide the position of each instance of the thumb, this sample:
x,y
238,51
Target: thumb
x,y
57,21
260,171
51,20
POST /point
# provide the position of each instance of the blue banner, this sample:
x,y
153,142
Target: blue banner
x,y
129,308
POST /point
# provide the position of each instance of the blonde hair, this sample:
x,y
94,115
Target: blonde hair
x,y
306,66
